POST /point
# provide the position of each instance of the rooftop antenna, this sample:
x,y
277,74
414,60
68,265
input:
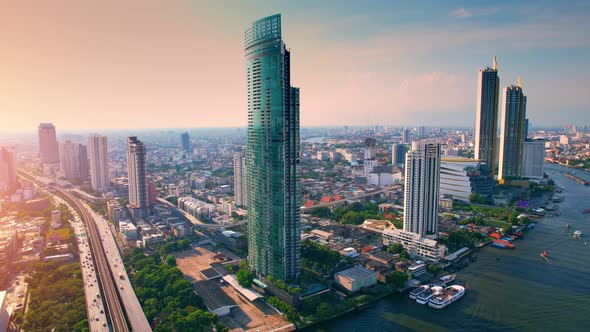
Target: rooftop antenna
x,y
495,63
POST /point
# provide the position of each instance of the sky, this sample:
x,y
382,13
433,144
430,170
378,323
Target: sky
x,y
180,64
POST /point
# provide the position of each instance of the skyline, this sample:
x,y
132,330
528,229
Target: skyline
x,y
102,66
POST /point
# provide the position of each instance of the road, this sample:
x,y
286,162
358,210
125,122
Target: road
x,y
97,319
135,313
116,317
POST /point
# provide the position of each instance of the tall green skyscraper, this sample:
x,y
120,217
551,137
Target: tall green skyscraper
x,y
272,154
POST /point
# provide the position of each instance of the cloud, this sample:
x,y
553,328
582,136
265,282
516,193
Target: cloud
x,y
461,13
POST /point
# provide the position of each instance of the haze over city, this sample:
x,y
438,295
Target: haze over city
x,y
233,166
148,64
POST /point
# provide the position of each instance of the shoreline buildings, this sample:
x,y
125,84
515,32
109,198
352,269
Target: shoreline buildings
x,y
422,186
272,154
486,123
512,131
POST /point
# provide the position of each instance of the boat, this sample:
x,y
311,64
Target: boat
x,y
417,291
578,234
507,239
532,225
544,254
448,278
447,296
586,211
428,294
505,243
498,245
567,226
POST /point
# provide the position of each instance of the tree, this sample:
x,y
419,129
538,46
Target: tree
x,y
245,277
324,310
397,279
396,248
477,198
171,260
321,212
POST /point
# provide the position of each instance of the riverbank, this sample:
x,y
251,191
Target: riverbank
x,y
508,290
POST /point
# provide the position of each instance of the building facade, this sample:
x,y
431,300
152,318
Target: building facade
x,y
512,132
137,173
48,147
240,191
74,161
185,141
486,119
99,162
460,177
415,244
272,154
422,183
398,153
7,170
533,159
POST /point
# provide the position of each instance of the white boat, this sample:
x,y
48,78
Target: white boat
x,y
428,294
417,291
448,278
578,233
448,296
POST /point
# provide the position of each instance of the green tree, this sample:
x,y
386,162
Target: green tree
x,y
171,260
321,212
245,277
324,310
397,279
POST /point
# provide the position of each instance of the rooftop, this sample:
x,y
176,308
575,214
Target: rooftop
x,y
213,296
357,272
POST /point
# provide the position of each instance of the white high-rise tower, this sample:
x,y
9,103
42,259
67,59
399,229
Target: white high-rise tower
x,y
99,162
422,186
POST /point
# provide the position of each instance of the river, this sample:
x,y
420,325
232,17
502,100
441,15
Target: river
x,y
507,290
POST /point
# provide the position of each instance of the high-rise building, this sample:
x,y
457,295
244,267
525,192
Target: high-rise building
x,y
137,174
486,119
533,159
406,136
185,141
99,162
84,163
370,160
422,185
398,153
48,147
512,131
74,161
240,191
272,153
7,170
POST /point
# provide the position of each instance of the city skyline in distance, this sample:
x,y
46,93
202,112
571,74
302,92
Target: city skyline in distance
x,y
108,66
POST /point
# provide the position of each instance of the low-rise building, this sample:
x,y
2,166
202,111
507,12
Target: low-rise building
x,y
415,244
355,278
128,230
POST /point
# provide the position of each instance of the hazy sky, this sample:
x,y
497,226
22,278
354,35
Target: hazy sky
x,y
148,64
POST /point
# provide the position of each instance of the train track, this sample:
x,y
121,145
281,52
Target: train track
x,y
115,313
